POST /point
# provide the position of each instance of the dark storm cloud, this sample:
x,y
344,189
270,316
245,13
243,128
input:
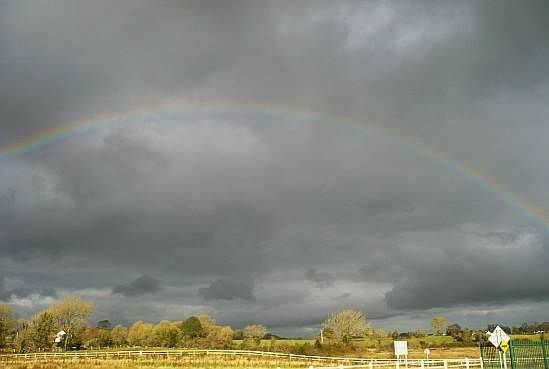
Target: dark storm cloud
x,y
224,197
143,285
321,279
7,294
229,289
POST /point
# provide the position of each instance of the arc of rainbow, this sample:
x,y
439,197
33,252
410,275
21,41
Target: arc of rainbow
x,y
172,108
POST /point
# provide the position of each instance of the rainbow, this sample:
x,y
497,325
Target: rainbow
x,y
172,109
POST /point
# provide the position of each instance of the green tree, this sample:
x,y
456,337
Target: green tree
x,y
191,328
42,329
454,330
104,324
347,324
6,323
438,325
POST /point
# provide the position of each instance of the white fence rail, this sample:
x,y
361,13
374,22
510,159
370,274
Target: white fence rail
x,y
320,361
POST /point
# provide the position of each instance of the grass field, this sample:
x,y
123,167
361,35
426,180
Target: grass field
x,y
370,348
113,364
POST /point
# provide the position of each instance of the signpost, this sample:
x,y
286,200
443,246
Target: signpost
x,y
401,349
500,340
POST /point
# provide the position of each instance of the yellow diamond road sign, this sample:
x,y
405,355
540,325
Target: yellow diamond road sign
x,y
504,345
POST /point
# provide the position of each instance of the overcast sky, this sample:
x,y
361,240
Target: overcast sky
x,y
267,218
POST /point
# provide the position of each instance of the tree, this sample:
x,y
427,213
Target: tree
x,y
96,338
191,328
220,336
119,335
70,315
257,331
346,324
454,330
24,340
438,325
165,334
6,323
140,334
42,330
104,324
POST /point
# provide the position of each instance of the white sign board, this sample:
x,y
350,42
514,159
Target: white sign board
x,y
401,348
497,336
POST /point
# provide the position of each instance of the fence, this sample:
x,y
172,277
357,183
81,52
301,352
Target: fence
x,y
521,355
278,358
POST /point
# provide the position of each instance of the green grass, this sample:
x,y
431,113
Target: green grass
x,y
368,342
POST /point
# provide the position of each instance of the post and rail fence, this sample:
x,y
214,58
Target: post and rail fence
x,y
282,359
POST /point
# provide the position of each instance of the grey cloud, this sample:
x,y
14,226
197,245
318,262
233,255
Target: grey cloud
x,y
141,286
319,278
229,289
225,195
7,294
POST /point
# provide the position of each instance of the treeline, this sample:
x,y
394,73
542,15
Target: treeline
x,y
524,328
65,326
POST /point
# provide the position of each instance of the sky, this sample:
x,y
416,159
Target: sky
x,y
384,156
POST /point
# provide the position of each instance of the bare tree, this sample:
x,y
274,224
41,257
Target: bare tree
x,y
255,331
346,324
70,315
438,325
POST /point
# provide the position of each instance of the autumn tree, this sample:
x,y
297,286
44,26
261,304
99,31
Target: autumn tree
x,y
438,325
119,336
255,331
165,334
140,334
96,338
220,336
70,315
6,323
24,341
346,324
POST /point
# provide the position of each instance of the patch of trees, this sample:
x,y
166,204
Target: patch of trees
x,y
70,315
465,336
529,328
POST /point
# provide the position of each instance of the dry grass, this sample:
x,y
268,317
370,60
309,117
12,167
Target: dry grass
x,y
134,364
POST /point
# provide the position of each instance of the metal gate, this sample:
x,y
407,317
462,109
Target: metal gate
x,y
521,355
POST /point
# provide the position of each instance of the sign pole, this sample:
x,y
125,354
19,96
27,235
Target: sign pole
x,y
500,361
504,361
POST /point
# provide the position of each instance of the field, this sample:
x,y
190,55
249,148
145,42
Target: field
x,y
379,349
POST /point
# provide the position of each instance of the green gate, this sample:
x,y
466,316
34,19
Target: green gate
x,y
521,355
